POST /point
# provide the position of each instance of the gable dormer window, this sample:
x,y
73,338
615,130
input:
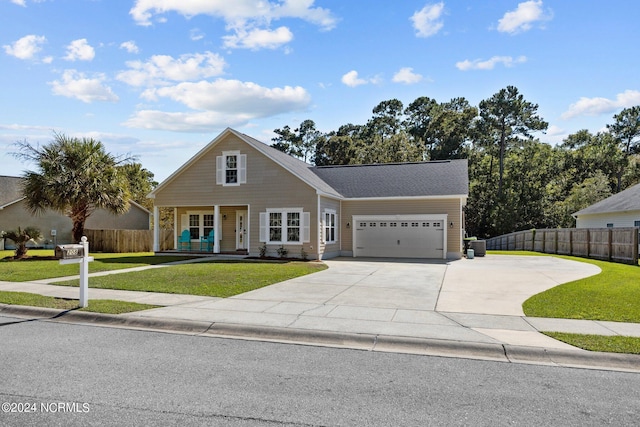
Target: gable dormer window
x,y
231,168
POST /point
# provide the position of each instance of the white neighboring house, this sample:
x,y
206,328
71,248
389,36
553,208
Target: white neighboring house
x,y
619,210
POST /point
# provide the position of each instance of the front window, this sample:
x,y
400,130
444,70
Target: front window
x,y
231,170
194,226
285,226
275,226
293,226
330,227
207,222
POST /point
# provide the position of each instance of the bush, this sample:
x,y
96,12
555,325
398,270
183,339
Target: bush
x,y
21,238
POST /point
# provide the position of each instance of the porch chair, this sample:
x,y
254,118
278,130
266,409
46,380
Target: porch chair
x,y
207,241
184,241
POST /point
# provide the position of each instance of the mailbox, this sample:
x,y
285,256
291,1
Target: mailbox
x,y
69,251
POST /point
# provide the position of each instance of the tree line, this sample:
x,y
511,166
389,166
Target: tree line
x,y
516,180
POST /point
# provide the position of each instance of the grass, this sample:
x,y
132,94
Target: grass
x,y
612,344
217,279
612,295
35,269
95,306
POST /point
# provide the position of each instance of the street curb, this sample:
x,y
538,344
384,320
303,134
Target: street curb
x,y
369,342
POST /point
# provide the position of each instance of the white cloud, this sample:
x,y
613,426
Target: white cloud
x,y
406,76
523,17
236,11
80,50
351,79
76,85
130,46
489,64
219,104
161,69
234,96
596,106
195,34
19,2
427,21
249,20
204,121
256,39
25,47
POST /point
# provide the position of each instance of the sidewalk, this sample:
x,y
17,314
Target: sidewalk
x,y
466,306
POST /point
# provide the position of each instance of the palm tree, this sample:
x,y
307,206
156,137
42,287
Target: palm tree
x,y
75,177
21,238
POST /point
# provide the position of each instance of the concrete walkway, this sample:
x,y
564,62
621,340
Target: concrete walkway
x,y
473,302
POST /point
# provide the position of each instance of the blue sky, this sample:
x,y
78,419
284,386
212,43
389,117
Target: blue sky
x,y
159,79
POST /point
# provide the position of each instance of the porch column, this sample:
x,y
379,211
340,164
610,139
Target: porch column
x,y
217,229
156,229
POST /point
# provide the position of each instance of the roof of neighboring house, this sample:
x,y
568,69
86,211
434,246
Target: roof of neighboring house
x,y
419,179
10,190
436,178
624,201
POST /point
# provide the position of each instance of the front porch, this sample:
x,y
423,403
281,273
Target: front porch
x,y
208,230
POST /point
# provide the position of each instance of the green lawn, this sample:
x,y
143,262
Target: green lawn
x,y
34,269
217,279
95,306
612,295
615,344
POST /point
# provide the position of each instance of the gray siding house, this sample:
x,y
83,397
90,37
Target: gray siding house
x,y
54,226
252,196
620,210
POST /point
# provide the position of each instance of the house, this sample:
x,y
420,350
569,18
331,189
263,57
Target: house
x,y
620,210
54,226
255,197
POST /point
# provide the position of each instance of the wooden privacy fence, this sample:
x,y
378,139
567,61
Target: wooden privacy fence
x,y
608,244
119,241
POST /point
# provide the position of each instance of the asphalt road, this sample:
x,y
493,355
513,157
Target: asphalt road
x,y
64,374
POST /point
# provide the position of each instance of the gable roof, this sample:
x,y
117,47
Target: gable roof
x,y
420,179
10,190
624,201
436,178
296,166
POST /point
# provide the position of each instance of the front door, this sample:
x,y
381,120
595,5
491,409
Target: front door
x,y
241,230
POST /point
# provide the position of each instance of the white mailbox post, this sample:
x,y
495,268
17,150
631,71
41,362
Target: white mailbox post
x,y
78,254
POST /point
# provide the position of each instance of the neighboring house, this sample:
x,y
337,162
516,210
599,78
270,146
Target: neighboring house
x,y
253,196
54,226
620,210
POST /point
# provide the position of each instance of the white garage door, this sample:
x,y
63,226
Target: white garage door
x,y
400,236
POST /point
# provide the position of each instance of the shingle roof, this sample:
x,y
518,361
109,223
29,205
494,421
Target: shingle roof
x,y
296,166
624,201
439,178
436,178
10,190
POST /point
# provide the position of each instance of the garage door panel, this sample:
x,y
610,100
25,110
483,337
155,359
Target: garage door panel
x,y
405,238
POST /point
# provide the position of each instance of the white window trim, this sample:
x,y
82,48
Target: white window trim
x,y
185,221
325,226
305,221
221,168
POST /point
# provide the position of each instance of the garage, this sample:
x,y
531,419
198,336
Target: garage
x,y
400,236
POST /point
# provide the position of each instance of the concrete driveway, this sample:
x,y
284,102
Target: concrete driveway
x,y
475,300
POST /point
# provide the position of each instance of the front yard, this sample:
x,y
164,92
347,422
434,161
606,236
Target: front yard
x,y
216,279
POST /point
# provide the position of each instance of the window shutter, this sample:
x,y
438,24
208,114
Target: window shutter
x,y
242,169
336,237
264,231
220,170
306,229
